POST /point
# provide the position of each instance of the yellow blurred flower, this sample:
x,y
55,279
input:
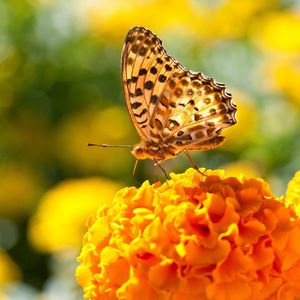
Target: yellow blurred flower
x,y
293,193
279,31
278,34
247,116
206,20
242,168
284,75
193,237
59,221
19,188
229,18
115,17
9,272
110,126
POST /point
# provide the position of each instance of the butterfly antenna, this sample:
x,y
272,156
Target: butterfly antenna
x,y
110,146
134,168
188,155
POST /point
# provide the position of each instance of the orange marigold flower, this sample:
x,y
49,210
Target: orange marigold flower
x,y
193,237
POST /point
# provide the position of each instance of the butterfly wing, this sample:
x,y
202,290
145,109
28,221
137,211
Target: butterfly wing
x,y
168,104
146,68
203,110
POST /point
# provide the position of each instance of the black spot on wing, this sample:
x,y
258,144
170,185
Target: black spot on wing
x,y
141,114
154,99
148,85
142,72
153,70
142,122
138,92
136,105
162,78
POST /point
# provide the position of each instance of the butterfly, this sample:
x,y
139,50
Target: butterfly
x,y
172,108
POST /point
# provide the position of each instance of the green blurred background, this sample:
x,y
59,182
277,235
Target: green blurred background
x,y
60,88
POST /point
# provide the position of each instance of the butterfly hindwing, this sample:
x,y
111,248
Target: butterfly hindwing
x,y
203,109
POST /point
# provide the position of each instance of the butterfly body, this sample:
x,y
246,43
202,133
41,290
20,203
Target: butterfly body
x,y
159,152
172,108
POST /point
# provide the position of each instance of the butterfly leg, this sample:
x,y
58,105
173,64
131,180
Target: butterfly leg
x,y
188,155
164,171
134,168
155,174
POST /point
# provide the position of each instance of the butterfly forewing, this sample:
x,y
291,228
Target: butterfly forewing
x,y
168,104
146,69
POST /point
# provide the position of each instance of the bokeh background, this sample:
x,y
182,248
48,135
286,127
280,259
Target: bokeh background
x,y
60,88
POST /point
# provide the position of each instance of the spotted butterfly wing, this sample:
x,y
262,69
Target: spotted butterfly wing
x,y
172,108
